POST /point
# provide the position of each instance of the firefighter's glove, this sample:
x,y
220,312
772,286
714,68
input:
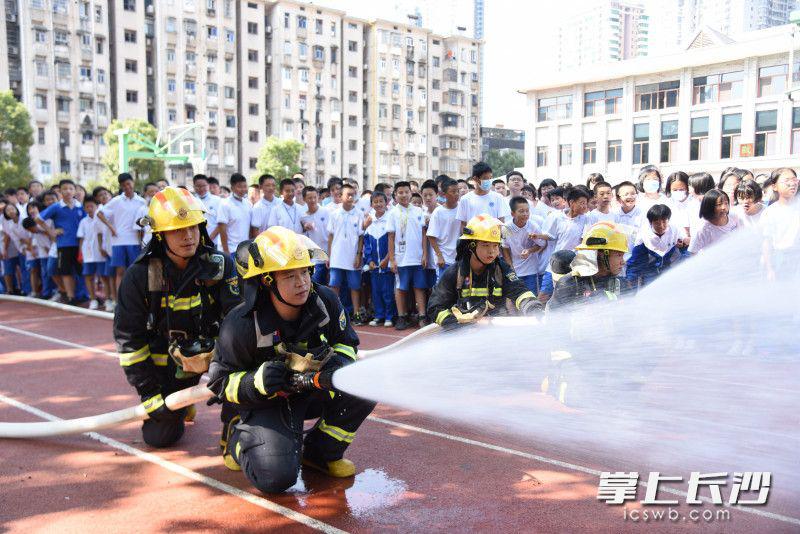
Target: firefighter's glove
x,y
531,306
303,361
473,314
157,409
271,379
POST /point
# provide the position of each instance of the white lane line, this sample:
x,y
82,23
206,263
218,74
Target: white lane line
x,y
459,439
566,465
381,334
49,318
261,502
57,341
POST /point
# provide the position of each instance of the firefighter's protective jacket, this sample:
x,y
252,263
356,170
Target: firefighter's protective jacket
x,y
157,302
461,288
576,289
250,333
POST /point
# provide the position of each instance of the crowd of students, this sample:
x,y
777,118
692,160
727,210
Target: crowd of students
x,y
388,246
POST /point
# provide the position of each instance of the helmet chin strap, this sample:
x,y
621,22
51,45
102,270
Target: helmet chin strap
x,y
270,283
474,247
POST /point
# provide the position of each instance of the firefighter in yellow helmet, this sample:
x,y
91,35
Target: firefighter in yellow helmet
x,y
171,303
479,281
274,367
593,271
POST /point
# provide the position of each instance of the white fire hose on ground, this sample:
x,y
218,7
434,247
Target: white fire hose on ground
x,y
175,401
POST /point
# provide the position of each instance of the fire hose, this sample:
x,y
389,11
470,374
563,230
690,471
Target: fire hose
x,y
185,397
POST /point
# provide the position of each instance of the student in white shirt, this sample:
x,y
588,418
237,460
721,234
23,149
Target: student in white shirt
x,y
120,216
520,250
233,219
93,261
700,183
211,202
750,206
564,231
650,190
259,218
13,258
315,227
376,257
444,229
603,194
287,213
39,242
515,182
103,197
780,225
677,191
345,245
717,221
629,216
299,184
428,192
483,200
405,225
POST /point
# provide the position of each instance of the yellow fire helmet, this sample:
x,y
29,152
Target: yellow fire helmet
x,y
276,249
604,236
483,227
175,208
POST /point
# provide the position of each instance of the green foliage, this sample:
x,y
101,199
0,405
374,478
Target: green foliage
x,y
279,157
16,138
502,162
142,170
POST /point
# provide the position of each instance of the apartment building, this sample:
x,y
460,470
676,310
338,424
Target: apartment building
x,y
719,103
369,100
57,61
315,65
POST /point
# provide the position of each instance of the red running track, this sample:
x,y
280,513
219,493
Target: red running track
x,y
415,474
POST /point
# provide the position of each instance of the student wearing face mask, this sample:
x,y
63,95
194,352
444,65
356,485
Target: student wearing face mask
x,y
483,199
677,191
650,188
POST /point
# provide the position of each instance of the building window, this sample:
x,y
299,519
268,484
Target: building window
x,y
796,131
253,136
698,145
641,143
301,22
211,31
541,156
252,109
252,55
352,72
85,73
303,75
41,138
352,120
731,135
41,67
40,36
189,86
170,55
252,162
352,96
230,92
318,26
352,46
45,168
557,107
170,27
772,80
564,155
252,82
129,5
131,65
252,28
718,87
99,45
589,153
766,136
614,152
212,89
230,121
131,96
602,102
171,85
61,37
172,116
319,53
657,95
669,140
101,110
130,36
41,101
352,144
435,61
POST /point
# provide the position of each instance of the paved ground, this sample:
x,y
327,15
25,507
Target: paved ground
x,y
415,474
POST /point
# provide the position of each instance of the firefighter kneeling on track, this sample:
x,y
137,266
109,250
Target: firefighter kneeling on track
x,y
171,303
274,365
478,283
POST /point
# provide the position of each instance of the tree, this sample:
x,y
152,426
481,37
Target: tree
x,y
279,157
16,138
502,161
142,170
